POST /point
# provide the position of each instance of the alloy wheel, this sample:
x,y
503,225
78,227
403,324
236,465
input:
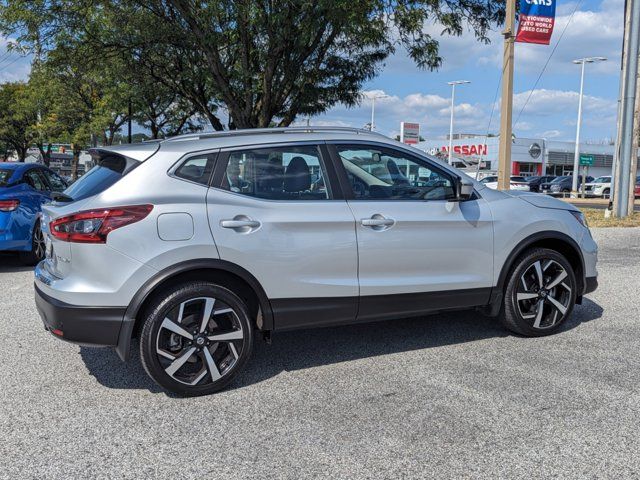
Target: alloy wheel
x,y
199,341
39,246
544,294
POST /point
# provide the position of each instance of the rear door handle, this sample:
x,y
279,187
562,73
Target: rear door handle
x,y
241,224
377,222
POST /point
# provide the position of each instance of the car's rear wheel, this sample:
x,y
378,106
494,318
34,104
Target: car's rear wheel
x,y
196,338
540,293
38,247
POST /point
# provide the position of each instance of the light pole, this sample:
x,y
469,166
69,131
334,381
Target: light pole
x,y
576,156
453,99
372,125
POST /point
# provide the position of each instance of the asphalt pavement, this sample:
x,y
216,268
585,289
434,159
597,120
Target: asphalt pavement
x,y
446,396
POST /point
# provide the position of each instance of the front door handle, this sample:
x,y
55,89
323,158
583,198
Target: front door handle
x,y
241,224
378,222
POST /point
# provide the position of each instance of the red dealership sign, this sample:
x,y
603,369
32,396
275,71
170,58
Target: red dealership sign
x,y
467,150
536,21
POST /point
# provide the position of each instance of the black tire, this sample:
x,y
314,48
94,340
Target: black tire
x,y
37,252
185,306
520,313
606,192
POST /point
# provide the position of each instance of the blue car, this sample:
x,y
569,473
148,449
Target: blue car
x,y
23,190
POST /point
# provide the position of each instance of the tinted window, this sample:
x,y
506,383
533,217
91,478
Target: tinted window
x,y
107,172
55,182
284,173
35,180
560,179
489,180
196,169
385,174
518,179
5,175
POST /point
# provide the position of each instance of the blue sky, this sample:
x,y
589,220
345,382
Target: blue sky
x,y
596,29
420,96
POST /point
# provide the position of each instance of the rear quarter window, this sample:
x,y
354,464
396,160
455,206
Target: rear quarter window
x,y
5,176
107,172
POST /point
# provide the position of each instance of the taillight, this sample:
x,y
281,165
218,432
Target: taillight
x,y
9,205
93,226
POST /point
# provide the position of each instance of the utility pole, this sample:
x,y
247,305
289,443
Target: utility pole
x,y
453,102
623,188
506,113
129,136
633,170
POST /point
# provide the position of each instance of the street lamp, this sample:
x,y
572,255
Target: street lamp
x,y
453,98
576,156
372,125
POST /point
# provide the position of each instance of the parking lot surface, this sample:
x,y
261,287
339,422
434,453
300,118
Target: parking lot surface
x,y
444,396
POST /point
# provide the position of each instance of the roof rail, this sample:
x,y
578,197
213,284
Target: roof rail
x,y
267,131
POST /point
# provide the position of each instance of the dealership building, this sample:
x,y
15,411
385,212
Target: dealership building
x,y
529,156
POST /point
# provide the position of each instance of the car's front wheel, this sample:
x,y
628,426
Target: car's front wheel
x,y
540,293
196,338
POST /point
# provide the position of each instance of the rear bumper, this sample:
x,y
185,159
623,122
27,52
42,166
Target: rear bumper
x,y
93,326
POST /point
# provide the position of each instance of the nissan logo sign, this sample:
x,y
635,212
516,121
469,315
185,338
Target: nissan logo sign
x,y
535,150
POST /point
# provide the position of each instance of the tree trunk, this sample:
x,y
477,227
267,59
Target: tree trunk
x,y
75,161
22,154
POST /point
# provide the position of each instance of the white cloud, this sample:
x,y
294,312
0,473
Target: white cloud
x,y
550,134
431,111
545,102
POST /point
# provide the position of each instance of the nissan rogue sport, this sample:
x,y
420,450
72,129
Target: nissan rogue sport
x,y
198,243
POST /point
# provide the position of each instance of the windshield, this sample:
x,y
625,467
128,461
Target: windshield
x,y
5,175
602,180
560,179
102,176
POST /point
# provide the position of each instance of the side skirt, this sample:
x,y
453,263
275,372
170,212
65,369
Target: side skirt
x,y
294,313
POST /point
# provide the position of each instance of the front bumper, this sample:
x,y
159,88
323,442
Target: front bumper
x,y
93,326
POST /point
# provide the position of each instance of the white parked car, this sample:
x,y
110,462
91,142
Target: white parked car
x,y
517,183
600,187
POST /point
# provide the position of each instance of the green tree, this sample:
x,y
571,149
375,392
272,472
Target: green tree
x,y
261,61
16,118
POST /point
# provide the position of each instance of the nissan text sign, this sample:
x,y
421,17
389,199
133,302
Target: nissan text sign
x,y
409,133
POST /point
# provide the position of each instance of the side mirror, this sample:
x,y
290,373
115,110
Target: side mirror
x,y
463,189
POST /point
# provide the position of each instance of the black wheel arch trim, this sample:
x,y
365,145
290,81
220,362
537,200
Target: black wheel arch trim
x,y
526,243
126,333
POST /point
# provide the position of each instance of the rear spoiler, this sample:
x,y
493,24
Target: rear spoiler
x,y
135,151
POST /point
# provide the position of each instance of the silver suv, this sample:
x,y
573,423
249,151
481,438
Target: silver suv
x,y
197,243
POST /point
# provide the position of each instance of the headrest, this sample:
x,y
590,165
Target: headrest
x,y
297,178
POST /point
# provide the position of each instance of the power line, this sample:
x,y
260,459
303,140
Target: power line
x,y
12,61
544,68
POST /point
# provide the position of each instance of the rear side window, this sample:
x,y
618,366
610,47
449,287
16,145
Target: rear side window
x,y
35,180
278,173
5,176
56,183
196,169
107,172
